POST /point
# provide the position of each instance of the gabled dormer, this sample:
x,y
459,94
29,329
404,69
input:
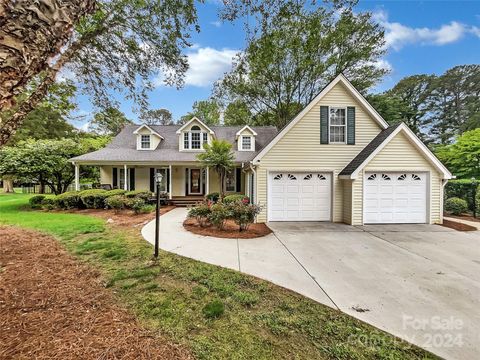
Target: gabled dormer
x,y
245,138
193,134
147,138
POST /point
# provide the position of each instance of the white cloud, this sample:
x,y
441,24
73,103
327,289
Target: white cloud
x,y
206,65
398,35
216,23
475,30
383,64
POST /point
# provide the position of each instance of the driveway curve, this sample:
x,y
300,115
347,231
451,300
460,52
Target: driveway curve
x,y
418,282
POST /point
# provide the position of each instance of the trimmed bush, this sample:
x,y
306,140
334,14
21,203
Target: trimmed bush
x,y
200,212
142,194
456,206
243,213
136,204
219,213
36,201
146,209
48,203
116,202
68,200
214,309
236,198
93,199
114,192
463,189
213,197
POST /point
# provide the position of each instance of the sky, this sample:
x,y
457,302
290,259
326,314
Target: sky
x,y
423,37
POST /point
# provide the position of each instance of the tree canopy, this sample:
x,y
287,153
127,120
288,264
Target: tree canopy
x,y
156,117
108,122
287,64
206,110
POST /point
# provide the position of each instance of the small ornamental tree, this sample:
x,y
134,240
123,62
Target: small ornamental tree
x,y
218,156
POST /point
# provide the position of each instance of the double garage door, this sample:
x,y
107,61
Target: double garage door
x,y
305,196
399,197
395,198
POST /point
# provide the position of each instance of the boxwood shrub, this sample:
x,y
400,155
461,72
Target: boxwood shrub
x,y
463,189
36,201
456,206
69,200
114,192
93,199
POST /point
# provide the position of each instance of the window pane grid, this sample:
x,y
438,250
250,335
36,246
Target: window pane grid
x,y
195,140
185,141
337,125
145,141
246,142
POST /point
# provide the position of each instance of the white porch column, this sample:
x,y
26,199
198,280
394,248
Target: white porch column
x,y
170,182
125,178
207,179
247,183
77,177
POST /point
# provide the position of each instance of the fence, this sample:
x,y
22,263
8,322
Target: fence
x,y
35,188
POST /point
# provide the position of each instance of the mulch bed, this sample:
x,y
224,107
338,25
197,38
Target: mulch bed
x,y
53,307
124,217
230,231
458,225
464,217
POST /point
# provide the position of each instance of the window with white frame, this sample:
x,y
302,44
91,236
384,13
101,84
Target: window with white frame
x,y
338,125
194,139
230,181
145,142
246,142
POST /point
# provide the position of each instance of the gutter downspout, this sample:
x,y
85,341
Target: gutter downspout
x,y
444,183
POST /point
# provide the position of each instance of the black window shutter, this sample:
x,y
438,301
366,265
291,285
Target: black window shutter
x,y
114,177
132,179
351,125
168,180
323,124
152,179
238,180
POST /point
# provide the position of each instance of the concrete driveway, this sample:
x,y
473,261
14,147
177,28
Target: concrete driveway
x,y
418,282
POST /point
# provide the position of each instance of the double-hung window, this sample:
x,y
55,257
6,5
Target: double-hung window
x,y
338,125
194,139
246,143
145,142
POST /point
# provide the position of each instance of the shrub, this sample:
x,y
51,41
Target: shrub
x,y
219,213
213,309
68,200
142,194
36,201
146,209
200,212
114,192
456,206
136,204
116,202
463,189
48,203
477,200
93,198
213,197
244,214
236,198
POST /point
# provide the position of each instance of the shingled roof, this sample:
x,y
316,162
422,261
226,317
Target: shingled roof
x,y
124,146
368,150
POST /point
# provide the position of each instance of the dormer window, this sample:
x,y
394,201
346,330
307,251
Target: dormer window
x,y
246,142
145,142
194,139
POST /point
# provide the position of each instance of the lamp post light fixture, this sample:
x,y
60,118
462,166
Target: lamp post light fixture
x,y
158,181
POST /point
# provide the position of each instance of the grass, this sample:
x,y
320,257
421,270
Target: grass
x,y
215,312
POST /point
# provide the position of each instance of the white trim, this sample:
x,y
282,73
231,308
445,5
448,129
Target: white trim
x,y
416,142
125,178
239,132
344,125
207,179
192,120
77,176
252,143
170,182
354,92
149,142
151,130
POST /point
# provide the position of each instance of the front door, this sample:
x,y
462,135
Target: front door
x,y
195,182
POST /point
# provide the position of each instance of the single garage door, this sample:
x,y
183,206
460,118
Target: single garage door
x,y
395,198
295,196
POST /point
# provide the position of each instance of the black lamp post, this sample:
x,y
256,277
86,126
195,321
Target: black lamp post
x,y
158,181
474,192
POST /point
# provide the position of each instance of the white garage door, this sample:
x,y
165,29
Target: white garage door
x,y
395,198
294,196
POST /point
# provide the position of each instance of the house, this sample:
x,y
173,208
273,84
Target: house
x,y
337,160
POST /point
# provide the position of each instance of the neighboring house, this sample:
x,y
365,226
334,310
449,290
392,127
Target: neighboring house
x,y
337,160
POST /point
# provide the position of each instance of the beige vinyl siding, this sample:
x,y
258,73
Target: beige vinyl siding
x,y
347,201
300,149
401,155
142,178
357,200
106,175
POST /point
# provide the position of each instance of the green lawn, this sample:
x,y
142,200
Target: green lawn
x,y
260,321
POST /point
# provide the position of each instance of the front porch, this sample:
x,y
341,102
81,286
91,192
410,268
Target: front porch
x,y
182,183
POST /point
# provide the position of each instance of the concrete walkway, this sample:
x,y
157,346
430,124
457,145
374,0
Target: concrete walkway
x,y
400,278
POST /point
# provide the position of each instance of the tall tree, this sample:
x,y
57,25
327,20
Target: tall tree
x,y
206,110
109,122
156,117
390,107
237,113
296,55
